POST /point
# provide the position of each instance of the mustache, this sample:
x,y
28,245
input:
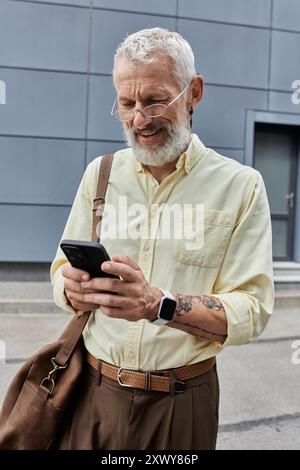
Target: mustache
x,y
150,128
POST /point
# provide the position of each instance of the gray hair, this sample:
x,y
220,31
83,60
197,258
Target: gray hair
x,y
140,47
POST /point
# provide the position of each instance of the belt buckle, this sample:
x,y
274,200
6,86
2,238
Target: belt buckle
x,y
179,386
147,382
120,370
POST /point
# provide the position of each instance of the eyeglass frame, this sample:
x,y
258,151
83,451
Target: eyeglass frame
x,y
155,104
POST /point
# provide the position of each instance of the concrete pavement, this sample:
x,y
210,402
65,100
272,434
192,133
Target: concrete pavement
x,y
260,384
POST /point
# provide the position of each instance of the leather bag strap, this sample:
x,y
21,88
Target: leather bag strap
x,y
78,323
99,200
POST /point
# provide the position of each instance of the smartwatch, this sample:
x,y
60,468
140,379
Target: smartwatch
x,y
166,309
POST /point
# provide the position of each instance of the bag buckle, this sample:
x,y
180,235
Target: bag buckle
x,y
99,207
50,379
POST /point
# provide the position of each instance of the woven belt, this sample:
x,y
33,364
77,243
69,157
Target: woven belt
x,y
170,379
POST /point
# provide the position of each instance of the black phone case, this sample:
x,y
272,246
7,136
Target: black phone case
x,y
87,256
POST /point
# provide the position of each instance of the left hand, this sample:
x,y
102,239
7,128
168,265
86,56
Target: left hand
x,y
136,299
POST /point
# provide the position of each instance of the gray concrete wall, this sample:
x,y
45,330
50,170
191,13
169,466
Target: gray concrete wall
x,y
56,60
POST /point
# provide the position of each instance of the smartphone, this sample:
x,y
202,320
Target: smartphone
x,y
87,256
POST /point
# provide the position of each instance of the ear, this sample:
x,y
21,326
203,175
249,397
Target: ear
x,y
197,88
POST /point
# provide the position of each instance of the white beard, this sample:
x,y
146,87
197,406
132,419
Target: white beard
x,y
177,142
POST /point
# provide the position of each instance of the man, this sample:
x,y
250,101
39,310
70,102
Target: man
x,y
213,283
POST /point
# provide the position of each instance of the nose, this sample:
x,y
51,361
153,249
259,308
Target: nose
x,y
140,120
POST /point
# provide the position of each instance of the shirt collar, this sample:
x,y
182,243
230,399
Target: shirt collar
x,y
188,159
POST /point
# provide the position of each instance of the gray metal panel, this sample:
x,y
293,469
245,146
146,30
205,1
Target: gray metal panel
x,y
44,36
166,7
110,28
280,101
32,233
286,14
220,118
95,149
50,170
43,104
51,104
67,2
285,59
254,12
228,54
101,124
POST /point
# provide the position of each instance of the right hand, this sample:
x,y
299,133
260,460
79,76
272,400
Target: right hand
x,y
73,290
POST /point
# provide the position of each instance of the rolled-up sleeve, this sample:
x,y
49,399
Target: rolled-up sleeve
x,y
245,281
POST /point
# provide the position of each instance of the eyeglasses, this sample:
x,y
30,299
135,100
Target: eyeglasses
x,y
152,111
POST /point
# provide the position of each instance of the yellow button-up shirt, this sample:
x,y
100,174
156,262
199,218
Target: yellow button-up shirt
x,y
234,262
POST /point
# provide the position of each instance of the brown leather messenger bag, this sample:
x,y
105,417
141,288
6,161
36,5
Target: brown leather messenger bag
x,y
41,391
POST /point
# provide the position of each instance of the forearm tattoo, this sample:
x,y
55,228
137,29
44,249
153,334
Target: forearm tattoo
x,y
185,304
195,329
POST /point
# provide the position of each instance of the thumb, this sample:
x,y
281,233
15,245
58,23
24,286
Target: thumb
x,y
126,260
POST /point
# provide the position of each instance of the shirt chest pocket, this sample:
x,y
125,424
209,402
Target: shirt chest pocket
x,y
204,238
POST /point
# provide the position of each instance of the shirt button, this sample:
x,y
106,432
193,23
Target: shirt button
x,y
131,355
146,248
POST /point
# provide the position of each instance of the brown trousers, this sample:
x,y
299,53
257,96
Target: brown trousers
x,y
105,416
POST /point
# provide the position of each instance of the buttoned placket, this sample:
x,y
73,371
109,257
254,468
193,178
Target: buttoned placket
x,y
157,197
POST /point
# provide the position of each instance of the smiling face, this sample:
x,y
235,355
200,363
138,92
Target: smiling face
x,y
155,141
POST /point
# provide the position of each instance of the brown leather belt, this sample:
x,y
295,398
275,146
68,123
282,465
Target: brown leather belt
x,y
170,379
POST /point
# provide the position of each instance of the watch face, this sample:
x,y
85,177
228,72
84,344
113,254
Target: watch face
x,y
168,309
